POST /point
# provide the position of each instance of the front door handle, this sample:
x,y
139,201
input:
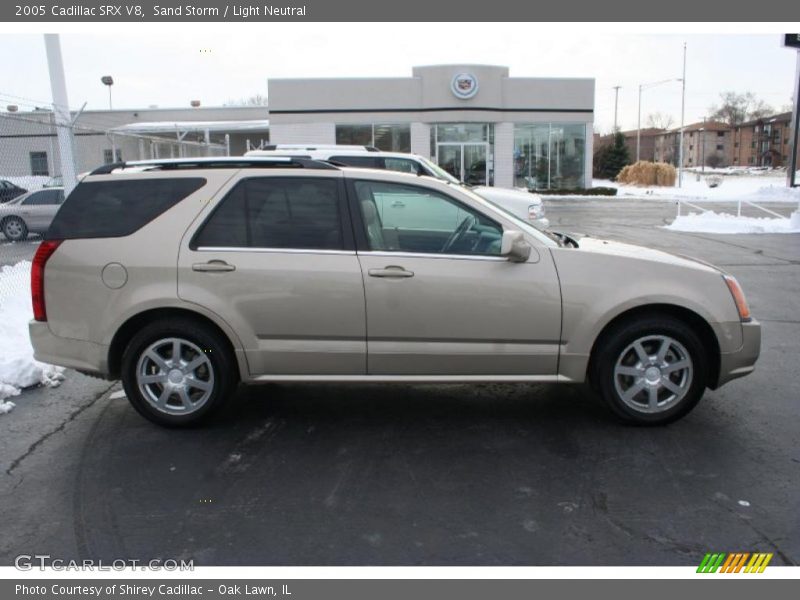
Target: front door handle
x,y
392,271
213,266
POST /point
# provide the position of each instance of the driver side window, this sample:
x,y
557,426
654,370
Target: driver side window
x,y
407,218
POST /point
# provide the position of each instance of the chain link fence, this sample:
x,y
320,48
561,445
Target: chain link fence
x,y
32,160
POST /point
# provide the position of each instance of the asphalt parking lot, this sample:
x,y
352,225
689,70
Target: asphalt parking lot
x,y
430,475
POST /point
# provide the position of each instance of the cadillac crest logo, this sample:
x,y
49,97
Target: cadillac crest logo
x,y
464,85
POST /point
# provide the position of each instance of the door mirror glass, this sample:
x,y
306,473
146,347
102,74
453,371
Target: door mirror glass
x,y
514,246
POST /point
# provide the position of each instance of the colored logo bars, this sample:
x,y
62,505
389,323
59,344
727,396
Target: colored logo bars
x,y
735,562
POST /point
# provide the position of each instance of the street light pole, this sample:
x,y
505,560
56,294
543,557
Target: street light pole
x,y
107,80
616,99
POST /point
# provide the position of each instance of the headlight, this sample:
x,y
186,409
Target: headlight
x,y
738,297
535,211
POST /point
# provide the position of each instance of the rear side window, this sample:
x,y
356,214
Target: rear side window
x,y
370,162
403,165
44,198
274,212
118,208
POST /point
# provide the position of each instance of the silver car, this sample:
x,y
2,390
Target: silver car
x,y
30,213
186,277
523,204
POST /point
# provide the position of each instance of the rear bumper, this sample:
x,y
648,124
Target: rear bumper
x,y
742,361
80,355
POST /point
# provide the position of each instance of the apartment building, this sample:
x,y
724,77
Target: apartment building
x,y
646,142
764,142
707,143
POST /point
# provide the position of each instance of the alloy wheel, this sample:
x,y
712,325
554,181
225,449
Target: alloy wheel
x,y
653,373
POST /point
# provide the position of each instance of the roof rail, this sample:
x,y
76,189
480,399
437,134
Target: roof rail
x,y
224,162
311,147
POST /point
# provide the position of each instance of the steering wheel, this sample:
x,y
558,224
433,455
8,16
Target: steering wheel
x,y
463,227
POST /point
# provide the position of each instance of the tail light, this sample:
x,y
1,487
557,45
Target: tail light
x,y
43,253
738,297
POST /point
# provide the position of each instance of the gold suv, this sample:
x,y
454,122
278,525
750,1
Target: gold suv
x,y
186,277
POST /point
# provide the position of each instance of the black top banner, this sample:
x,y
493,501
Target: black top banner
x,y
54,11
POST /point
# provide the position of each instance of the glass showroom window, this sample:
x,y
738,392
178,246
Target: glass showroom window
x,y
549,155
386,137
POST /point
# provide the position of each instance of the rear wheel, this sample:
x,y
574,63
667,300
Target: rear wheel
x,y
177,372
15,229
651,370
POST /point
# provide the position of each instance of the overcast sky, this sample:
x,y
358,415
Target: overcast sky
x,y
169,70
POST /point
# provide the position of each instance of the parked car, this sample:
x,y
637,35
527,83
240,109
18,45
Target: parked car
x,y
185,277
30,213
523,204
9,191
54,181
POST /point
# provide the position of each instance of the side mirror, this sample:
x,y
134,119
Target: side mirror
x,y
514,246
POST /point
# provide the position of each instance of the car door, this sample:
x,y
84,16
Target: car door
x,y
39,208
275,259
440,299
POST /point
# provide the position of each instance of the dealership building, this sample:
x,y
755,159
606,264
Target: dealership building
x,y
476,121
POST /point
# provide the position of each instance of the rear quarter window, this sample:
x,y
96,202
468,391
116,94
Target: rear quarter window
x,y
370,162
118,208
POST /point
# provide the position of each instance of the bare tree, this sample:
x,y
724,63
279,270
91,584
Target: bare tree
x,y
760,109
659,120
735,108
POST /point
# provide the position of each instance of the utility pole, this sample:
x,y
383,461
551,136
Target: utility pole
x,y
639,125
703,151
683,114
616,99
63,120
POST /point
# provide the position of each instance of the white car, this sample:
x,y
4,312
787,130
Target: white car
x,y
521,204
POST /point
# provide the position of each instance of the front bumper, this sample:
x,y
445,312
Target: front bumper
x,y
742,361
81,355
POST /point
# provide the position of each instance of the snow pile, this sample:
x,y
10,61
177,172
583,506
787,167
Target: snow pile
x,y
764,188
711,222
18,369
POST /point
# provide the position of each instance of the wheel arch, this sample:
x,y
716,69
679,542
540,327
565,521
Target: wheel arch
x,y
688,316
128,329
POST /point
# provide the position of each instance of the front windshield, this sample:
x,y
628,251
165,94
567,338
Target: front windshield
x,y
438,171
545,237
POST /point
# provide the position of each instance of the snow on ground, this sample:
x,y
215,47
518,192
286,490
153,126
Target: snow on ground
x,y
18,369
711,222
764,188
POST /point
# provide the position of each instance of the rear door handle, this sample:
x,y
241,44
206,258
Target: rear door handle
x,y
392,271
213,266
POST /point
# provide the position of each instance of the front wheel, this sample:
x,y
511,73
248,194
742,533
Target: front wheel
x,y
15,229
651,370
177,372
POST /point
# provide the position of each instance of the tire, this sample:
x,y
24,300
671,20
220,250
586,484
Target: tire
x,y
651,370
182,394
15,229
